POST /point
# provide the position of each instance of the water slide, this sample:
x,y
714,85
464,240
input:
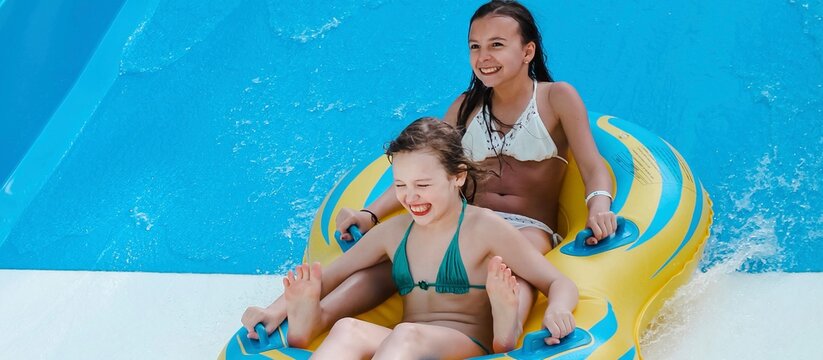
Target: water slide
x,y
161,162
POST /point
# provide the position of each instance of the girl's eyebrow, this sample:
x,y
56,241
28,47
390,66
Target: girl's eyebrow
x,y
496,38
415,180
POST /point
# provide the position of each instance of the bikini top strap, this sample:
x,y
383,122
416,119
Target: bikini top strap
x,y
452,276
401,272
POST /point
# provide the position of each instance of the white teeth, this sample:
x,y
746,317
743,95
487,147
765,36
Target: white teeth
x,y
490,70
419,208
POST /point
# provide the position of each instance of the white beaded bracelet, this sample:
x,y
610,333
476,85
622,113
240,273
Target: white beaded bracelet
x,y
598,193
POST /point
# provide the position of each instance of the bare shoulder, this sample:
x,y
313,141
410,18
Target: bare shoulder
x,y
391,230
394,223
564,101
560,93
451,114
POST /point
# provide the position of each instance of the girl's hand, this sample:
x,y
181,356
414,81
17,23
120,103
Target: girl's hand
x,y
602,221
254,315
348,217
559,324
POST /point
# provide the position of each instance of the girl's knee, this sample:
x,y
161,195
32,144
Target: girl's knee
x,y
404,335
342,336
347,333
346,330
407,328
348,327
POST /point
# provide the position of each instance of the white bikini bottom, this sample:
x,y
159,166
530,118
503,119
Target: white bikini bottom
x,y
520,222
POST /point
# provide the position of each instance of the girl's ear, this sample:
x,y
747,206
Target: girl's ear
x,y
461,176
528,52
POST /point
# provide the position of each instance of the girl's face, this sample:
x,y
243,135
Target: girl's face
x,y
423,186
496,50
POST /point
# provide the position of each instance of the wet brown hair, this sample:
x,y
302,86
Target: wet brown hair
x,y
445,142
478,94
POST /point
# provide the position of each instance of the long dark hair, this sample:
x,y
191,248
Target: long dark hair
x,y
478,93
445,142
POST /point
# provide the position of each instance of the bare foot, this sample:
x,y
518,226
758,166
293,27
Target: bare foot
x,y
302,294
503,292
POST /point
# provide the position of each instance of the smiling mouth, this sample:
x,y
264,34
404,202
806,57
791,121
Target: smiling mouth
x,y
420,210
490,70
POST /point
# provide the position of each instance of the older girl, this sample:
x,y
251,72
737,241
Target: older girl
x,y
514,119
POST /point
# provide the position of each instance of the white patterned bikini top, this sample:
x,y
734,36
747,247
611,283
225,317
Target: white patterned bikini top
x,y
528,140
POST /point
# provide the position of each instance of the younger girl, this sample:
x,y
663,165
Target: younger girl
x,y
444,253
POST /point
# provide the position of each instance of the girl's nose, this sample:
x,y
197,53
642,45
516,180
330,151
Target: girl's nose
x,y
483,55
411,194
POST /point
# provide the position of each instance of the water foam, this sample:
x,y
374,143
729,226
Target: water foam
x,y
741,304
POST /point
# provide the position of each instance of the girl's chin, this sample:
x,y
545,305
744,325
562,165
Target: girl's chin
x,y
489,83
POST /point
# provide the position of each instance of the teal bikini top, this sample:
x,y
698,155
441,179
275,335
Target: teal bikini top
x,y
451,277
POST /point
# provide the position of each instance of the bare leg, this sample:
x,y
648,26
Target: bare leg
x,y
351,338
302,294
419,341
503,296
362,291
538,238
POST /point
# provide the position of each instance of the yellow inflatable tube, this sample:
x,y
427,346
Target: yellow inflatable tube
x,y
623,281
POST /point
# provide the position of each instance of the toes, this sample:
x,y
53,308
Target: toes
x,y
494,264
513,283
316,271
298,273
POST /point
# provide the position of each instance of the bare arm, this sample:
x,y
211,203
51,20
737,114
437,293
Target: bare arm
x,y
381,207
505,241
451,114
370,250
574,119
